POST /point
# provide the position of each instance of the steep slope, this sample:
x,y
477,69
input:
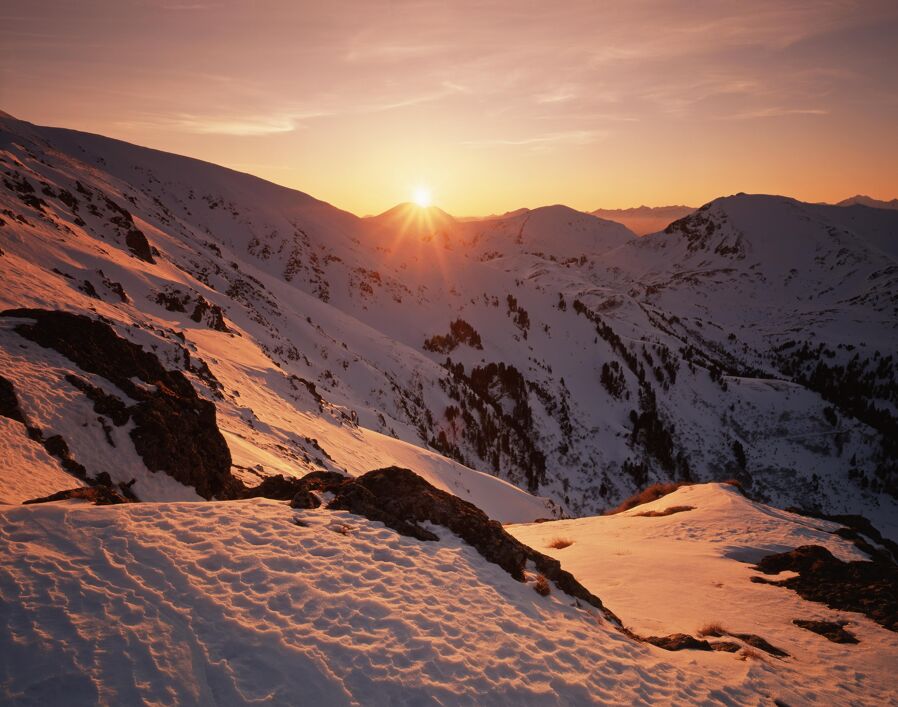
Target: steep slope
x,y
181,293
548,348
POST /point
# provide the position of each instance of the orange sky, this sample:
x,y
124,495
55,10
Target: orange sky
x,y
493,105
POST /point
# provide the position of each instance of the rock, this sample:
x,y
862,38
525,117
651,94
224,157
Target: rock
x,y
760,643
285,488
9,403
100,495
678,642
870,588
211,314
104,403
726,646
175,431
828,629
139,245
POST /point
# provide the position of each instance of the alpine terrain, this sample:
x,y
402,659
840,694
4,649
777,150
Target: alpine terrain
x,y
287,454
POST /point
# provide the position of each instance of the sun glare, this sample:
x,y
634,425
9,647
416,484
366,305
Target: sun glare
x,y
421,197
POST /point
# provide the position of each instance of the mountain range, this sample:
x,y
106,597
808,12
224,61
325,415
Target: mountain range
x,y
172,330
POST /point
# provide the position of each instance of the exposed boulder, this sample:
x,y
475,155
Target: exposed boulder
x,y
175,431
830,630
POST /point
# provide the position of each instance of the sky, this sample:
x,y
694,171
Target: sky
x,y
490,105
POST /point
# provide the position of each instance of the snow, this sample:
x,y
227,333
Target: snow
x,y
26,469
314,293
233,603
679,573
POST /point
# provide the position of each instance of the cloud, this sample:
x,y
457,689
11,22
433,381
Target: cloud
x,y
568,137
773,112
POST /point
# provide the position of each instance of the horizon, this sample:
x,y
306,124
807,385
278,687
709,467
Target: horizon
x,y
619,107
414,198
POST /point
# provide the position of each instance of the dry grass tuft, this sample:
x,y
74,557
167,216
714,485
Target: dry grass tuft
x,y
713,629
750,654
666,512
560,543
647,495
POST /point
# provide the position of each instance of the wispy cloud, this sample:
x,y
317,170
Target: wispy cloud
x,y
569,137
773,112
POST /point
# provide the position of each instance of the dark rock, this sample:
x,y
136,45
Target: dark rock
x,y
9,403
175,430
870,588
103,479
88,288
760,643
726,646
139,245
678,642
828,629
104,403
100,495
58,447
285,488
209,313
173,300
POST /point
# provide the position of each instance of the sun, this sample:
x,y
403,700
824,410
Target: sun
x,y
421,196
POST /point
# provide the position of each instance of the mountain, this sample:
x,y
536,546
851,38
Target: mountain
x,y
645,219
246,375
862,200
548,350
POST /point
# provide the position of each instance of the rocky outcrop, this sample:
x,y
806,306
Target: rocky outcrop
x,y
298,490
203,311
175,431
403,501
870,588
98,495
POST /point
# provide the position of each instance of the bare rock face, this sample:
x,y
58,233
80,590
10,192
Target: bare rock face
x,y
175,430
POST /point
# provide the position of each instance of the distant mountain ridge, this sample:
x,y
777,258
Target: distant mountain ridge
x,y
869,201
645,219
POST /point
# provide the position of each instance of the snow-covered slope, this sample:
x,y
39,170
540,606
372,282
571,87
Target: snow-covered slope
x,y
237,603
546,348
692,570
